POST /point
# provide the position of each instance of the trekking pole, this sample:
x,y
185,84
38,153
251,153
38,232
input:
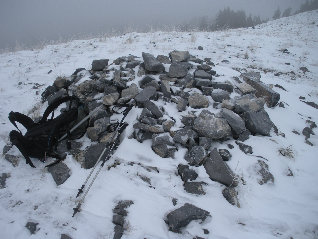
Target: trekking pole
x,y
116,135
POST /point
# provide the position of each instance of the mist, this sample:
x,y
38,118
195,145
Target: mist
x,y
28,23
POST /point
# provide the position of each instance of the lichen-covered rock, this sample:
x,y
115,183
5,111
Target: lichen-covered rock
x,y
217,169
60,173
182,216
212,127
197,100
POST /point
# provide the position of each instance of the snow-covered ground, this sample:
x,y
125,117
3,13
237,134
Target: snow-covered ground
x,y
286,209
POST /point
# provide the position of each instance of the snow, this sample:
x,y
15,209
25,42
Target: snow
x,y
286,209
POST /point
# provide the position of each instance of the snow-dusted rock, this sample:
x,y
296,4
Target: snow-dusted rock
x,y
99,65
60,173
195,155
186,173
235,121
217,169
202,75
152,64
182,216
197,100
265,174
258,122
231,195
179,56
146,94
248,103
220,95
177,70
194,187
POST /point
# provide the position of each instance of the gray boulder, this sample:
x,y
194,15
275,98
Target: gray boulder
x,y
186,173
263,171
212,127
165,88
258,122
182,216
235,121
129,93
188,120
164,151
182,104
146,94
156,129
179,56
177,70
197,100
65,236
99,65
196,155
203,83
218,170
271,97
153,108
92,154
194,187
223,86
60,173
202,75
145,81
256,76
246,88
230,194
248,103
152,64
220,95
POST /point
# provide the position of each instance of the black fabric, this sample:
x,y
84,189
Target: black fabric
x,y
42,138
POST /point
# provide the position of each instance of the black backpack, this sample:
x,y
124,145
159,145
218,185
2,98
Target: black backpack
x,y
41,139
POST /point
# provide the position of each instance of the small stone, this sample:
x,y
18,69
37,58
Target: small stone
x,y
118,220
230,194
217,169
164,151
99,65
225,154
182,216
132,64
263,171
146,94
246,88
244,148
145,81
110,99
3,179
188,120
152,64
163,59
6,148
129,93
220,95
179,56
258,122
248,103
60,173
206,231
186,173
195,156
194,187
32,227
65,236
167,125
182,104
197,100
177,70
153,108
174,201
185,136
13,159
200,48
202,75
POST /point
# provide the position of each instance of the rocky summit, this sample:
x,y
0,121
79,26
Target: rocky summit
x,y
220,140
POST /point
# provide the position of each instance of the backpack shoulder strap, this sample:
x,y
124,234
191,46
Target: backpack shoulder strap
x,y
26,121
56,104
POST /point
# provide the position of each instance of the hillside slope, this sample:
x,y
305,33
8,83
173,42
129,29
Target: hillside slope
x,y
285,52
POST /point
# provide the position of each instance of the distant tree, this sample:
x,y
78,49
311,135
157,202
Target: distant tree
x,y
276,14
287,12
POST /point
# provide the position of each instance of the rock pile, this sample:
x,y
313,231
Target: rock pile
x,y
210,112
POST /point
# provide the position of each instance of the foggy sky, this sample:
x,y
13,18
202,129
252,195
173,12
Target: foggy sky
x,y
28,22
